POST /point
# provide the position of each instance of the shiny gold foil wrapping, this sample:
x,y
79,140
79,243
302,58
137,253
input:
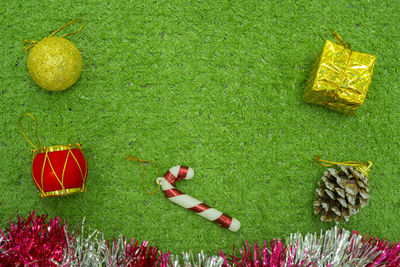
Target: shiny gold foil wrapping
x,y
340,78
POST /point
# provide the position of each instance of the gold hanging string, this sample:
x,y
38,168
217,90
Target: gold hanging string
x,y
333,163
363,167
339,39
33,43
132,158
26,137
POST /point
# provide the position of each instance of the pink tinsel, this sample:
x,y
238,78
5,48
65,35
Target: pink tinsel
x,y
390,255
143,255
272,257
33,241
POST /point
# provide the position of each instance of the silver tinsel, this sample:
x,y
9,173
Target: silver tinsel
x,y
202,260
334,248
337,247
89,251
1,239
95,250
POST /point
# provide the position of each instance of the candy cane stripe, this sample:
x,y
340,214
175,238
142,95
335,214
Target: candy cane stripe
x,y
224,221
183,170
200,208
185,201
169,177
173,193
177,173
211,214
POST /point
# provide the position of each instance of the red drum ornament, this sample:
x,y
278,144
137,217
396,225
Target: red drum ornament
x,y
57,170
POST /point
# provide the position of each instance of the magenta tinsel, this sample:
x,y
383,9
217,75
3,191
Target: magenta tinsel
x,y
142,255
390,255
33,241
266,257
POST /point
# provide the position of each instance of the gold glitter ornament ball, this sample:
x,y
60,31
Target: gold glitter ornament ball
x,y
55,63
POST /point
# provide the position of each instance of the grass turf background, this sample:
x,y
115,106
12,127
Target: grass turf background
x,y
213,85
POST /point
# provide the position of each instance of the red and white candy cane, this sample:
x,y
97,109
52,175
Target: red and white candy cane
x,y
177,173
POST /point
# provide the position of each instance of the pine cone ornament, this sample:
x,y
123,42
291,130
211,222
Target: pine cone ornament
x,y
342,192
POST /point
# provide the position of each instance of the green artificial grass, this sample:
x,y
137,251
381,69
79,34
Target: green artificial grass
x,y
215,85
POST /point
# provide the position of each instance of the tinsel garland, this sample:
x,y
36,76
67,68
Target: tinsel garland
x,y
33,241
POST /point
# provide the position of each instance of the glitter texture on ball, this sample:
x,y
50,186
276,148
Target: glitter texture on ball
x,y
55,63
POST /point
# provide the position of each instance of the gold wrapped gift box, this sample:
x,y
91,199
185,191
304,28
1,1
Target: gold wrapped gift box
x,y
340,77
